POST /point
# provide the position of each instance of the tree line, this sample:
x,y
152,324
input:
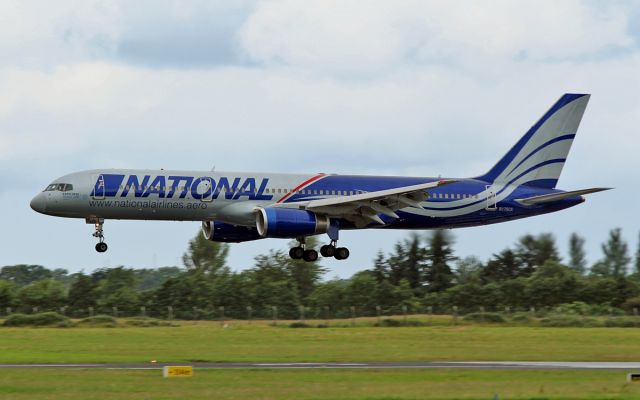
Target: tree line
x,y
421,274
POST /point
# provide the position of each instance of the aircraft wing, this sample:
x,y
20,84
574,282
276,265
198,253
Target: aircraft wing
x,y
363,208
547,198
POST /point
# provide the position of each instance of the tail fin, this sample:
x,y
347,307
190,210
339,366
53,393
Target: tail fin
x,y
538,157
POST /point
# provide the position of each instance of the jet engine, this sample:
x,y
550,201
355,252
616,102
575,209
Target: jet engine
x,y
221,232
289,223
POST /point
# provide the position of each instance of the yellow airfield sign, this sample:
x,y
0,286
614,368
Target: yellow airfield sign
x,y
177,371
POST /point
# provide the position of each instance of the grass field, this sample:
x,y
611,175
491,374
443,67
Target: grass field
x,y
317,384
259,342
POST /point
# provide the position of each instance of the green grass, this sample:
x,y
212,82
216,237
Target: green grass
x,y
207,341
317,384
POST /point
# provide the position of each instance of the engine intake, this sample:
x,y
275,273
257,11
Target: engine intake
x,y
289,223
220,232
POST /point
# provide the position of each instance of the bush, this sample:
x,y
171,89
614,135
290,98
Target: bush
x,y
394,323
100,320
490,317
521,317
41,319
566,321
299,325
622,322
146,322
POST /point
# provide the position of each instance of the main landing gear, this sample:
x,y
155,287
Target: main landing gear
x,y
300,252
328,250
101,246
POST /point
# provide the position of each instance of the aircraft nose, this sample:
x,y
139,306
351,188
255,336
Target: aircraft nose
x,y
39,203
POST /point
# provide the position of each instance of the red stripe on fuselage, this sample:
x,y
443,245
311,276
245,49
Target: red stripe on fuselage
x,y
305,183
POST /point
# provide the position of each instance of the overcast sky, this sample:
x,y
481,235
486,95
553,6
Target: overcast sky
x,y
365,87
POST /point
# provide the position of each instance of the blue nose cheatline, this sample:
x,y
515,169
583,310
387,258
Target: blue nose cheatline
x,y
39,203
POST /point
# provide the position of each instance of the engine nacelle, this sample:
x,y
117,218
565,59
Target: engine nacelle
x,y
289,223
227,233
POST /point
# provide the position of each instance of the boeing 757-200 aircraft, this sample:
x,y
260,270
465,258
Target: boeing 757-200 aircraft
x,y
238,206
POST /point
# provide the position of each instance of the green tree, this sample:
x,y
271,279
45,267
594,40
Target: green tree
x,y
534,251
272,284
439,276
552,284
82,293
45,294
616,258
118,289
8,292
468,270
23,274
577,257
305,275
408,261
381,267
205,255
502,266
637,260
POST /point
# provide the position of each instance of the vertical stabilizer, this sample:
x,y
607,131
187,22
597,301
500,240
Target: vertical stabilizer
x,y
538,157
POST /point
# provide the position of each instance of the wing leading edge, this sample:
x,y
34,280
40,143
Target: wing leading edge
x,y
363,208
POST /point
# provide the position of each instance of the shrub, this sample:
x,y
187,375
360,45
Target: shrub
x,y
41,319
491,317
622,322
562,321
299,325
521,317
146,322
394,323
100,320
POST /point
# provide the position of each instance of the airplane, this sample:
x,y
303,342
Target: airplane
x,y
239,207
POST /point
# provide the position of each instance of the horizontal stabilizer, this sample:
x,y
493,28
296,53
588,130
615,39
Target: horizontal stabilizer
x,y
547,198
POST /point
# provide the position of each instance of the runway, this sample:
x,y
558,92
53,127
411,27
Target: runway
x,y
484,365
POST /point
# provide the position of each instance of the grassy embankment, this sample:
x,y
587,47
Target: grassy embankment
x,y
260,342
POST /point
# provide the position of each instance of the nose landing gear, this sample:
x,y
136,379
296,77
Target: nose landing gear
x,y
101,246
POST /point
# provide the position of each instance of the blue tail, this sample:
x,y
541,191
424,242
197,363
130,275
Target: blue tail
x,y
538,157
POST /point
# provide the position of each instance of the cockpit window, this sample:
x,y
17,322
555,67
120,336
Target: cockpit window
x,y
59,187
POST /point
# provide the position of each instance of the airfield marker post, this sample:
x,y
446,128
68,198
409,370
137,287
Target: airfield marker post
x,y
195,313
221,308
378,313
274,314
455,315
301,314
430,313
249,310
91,311
34,310
63,310
404,313
353,316
635,311
8,310
532,310
482,314
143,311
114,309
169,313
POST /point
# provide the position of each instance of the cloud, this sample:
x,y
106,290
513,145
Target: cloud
x,y
405,88
342,37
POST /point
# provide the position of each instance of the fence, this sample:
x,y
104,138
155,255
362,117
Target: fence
x,y
289,312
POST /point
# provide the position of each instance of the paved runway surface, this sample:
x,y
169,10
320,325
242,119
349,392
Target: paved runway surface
x,y
512,365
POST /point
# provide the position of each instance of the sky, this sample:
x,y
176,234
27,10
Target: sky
x,y
420,88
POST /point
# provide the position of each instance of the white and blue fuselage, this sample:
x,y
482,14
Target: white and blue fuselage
x,y
240,206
